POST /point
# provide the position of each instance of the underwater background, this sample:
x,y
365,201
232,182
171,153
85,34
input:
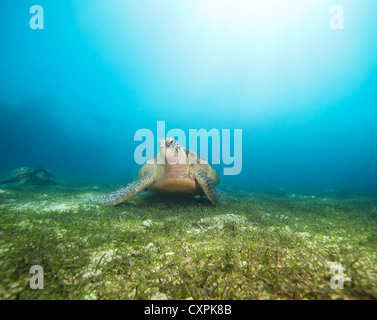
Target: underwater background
x,y
73,94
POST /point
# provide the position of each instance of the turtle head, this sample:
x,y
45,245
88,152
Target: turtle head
x,y
43,176
172,151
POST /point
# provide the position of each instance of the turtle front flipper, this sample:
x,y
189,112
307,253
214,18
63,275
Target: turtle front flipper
x,y
206,183
128,192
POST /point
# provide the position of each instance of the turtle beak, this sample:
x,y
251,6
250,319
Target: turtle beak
x,y
162,145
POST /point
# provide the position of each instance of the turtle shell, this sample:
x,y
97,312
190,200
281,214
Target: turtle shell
x,y
27,172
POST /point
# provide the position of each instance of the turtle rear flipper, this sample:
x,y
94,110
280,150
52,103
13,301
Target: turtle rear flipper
x,y
10,185
206,183
128,192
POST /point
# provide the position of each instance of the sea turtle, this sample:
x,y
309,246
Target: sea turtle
x,y
174,171
28,175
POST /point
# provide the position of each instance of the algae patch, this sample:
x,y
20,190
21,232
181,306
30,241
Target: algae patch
x,y
254,246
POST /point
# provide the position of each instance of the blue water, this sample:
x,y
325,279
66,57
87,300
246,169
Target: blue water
x,y
73,95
